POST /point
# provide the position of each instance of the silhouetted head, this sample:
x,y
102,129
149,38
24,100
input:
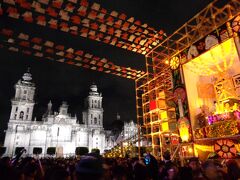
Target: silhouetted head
x,y
167,155
89,167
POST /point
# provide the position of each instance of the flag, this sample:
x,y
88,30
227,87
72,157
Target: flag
x,y
25,5
53,23
122,16
70,50
75,19
59,47
37,47
69,7
95,6
49,44
51,12
38,8
13,12
64,15
27,16
64,26
114,13
24,43
38,54
78,58
13,49
10,40
60,53
57,3
92,15
41,20
82,11
23,36
9,2
44,1
49,50
84,3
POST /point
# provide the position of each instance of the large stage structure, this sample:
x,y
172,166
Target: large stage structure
x,y
166,113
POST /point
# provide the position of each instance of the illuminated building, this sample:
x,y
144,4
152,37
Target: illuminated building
x,y
129,129
129,133
58,130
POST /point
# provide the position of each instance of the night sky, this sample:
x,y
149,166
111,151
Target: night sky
x,y
61,82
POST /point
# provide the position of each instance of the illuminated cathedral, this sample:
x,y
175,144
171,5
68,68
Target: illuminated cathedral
x,y
56,129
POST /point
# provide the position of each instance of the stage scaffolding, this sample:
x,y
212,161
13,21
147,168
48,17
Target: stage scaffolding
x,y
155,88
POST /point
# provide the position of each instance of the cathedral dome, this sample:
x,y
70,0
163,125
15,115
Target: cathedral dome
x,y
93,88
27,76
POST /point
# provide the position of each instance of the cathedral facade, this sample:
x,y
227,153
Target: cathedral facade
x,y
57,129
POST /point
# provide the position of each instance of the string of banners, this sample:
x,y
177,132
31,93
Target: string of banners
x,y
85,19
39,47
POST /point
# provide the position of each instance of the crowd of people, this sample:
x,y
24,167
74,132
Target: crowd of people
x,y
93,166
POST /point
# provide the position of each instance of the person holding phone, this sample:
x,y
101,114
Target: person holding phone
x,y
152,165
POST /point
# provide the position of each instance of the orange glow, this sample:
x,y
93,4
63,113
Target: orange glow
x,y
211,80
214,61
184,134
183,127
190,150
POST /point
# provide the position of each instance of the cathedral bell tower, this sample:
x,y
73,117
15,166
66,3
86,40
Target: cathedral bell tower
x,y
23,102
93,114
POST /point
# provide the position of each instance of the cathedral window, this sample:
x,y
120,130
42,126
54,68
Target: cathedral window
x,y
25,92
21,115
99,116
26,116
15,116
16,109
27,110
95,120
91,116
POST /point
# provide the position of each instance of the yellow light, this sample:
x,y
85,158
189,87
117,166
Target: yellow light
x,y
216,60
204,148
237,147
163,115
184,134
195,151
199,102
165,126
190,150
183,126
166,62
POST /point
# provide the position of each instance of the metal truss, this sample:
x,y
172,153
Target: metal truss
x,y
213,16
